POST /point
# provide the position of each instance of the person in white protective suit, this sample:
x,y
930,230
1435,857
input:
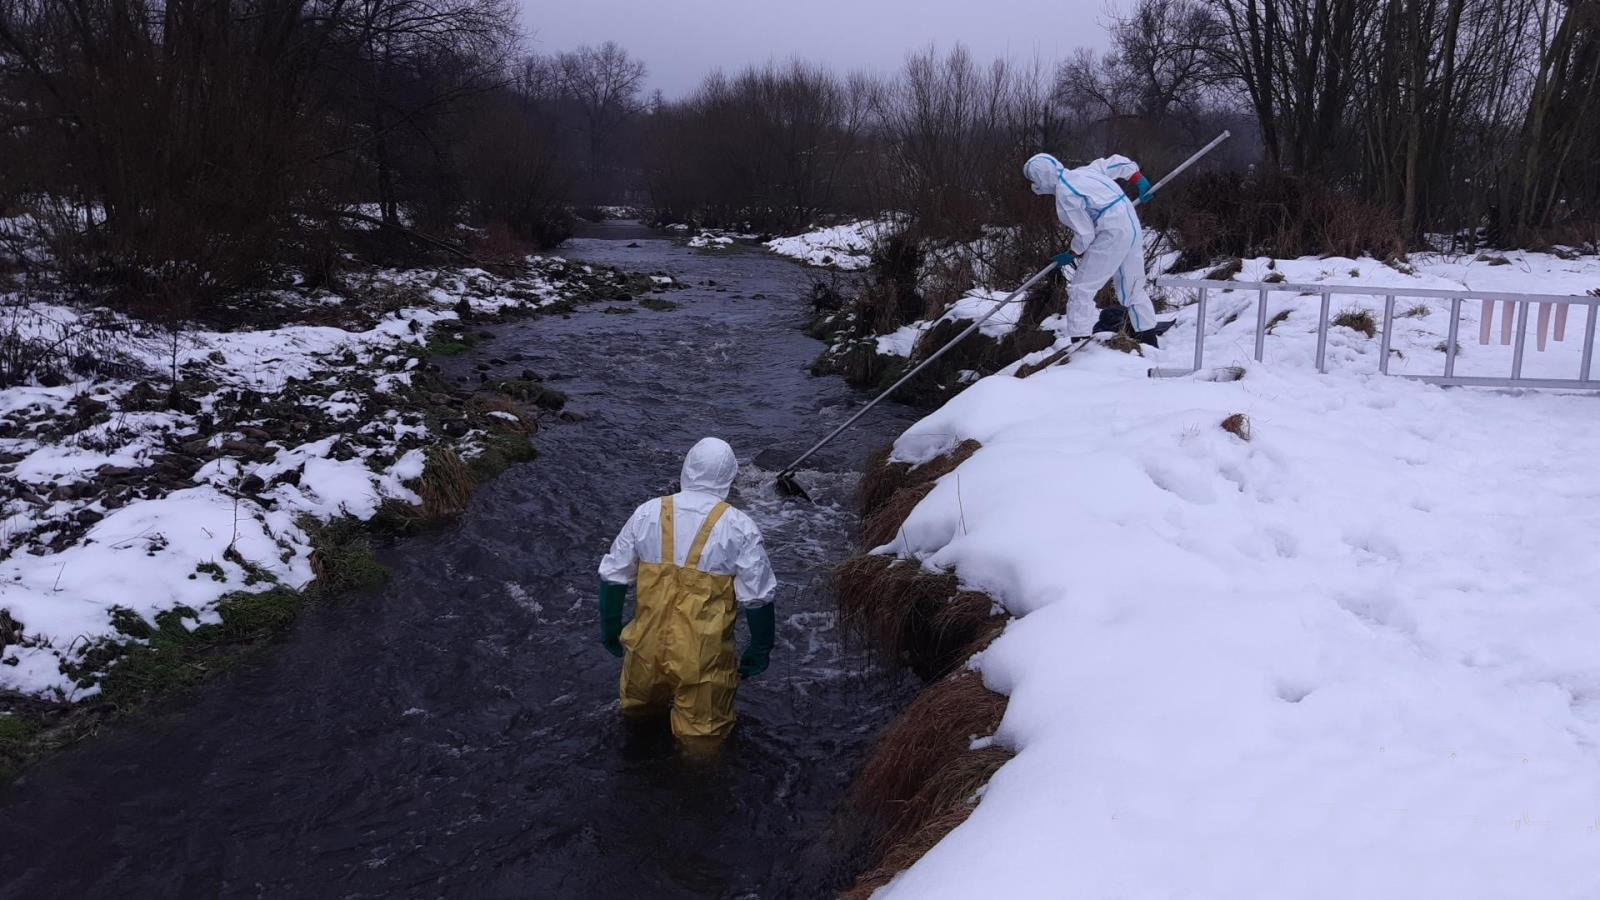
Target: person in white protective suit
x,y
696,561
1107,242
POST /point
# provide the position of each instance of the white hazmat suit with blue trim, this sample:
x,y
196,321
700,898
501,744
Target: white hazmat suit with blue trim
x,y
1106,237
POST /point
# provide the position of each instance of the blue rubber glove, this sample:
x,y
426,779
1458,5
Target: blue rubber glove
x,y
763,633
1065,259
612,596
1144,191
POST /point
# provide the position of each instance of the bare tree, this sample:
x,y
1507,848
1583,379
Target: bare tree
x,y
605,83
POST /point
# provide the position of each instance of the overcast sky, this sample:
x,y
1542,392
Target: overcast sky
x,y
682,40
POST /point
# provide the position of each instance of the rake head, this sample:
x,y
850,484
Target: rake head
x,y
788,487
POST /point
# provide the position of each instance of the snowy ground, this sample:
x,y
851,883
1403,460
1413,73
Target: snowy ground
x,y
1351,656
846,247
718,239
112,496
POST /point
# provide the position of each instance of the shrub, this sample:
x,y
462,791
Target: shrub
x,y
1229,213
1357,320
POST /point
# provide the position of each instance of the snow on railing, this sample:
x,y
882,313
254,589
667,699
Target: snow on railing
x,y
1520,303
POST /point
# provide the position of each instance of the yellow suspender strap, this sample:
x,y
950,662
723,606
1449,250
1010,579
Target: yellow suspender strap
x,y
669,552
700,539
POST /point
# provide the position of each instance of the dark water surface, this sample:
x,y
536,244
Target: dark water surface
x,y
456,733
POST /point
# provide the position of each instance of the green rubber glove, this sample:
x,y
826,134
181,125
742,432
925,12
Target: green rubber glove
x,y
763,633
1144,191
612,596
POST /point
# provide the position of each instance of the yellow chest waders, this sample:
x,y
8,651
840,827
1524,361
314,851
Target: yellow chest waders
x,y
680,642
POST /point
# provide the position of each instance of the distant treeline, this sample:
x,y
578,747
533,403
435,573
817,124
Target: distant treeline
x,y
179,149
1369,122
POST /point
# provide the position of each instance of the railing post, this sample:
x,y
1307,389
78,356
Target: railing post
x,y
1588,341
1322,334
1522,335
1450,342
1388,326
1261,324
1200,330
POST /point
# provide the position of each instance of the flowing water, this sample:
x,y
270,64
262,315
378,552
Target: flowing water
x,y
456,733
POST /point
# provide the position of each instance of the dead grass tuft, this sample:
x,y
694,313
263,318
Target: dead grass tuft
x,y
943,803
883,479
884,523
1124,342
1358,320
445,486
482,408
920,619
1237,425
922,778
1226,271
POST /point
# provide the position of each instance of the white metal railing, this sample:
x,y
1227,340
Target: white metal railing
x,y
1521,302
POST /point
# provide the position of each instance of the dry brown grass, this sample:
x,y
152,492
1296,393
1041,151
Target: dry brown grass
x,y
944,803
1357,320
883,479
1237,425
1123,342
923,775
920,619
881,526
481,405
921,780
445,486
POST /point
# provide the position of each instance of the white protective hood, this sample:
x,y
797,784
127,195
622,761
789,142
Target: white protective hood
x,y
709,468
1043,171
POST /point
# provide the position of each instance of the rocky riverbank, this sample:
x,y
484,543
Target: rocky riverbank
x,y
187,496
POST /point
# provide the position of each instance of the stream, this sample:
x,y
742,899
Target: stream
x,y
456,732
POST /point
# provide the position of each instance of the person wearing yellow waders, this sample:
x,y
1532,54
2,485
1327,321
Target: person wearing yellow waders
x,y
696,561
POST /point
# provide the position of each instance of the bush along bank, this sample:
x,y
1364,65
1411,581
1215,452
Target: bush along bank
x,y
916,296
1222,650
159,519
926,770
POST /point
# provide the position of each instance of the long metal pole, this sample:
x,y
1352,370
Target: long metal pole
x,y
1261,324
1322,335
790,469
1588,342
1191,160
1455,334
1522,338
1388,331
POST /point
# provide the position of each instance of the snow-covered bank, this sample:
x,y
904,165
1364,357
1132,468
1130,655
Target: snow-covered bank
x,y
847,247
125,497
1351,656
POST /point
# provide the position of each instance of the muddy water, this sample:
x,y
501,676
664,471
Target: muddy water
x,y
456,734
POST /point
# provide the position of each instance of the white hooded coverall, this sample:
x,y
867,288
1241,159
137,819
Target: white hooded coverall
x,y
734,547
1106,237
679,648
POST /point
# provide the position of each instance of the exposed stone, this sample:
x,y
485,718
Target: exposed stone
x,y
252,450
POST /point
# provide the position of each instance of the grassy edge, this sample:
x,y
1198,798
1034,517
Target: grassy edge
x,y
165,659
923,774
